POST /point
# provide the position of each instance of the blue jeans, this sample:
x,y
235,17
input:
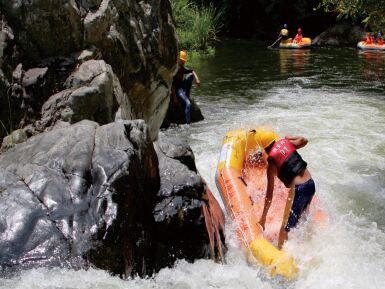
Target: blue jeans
x,y
303,195
181,94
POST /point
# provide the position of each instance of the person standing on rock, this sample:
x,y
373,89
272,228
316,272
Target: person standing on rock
x,y
285,162
182,85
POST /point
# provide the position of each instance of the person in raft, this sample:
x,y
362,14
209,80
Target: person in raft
x,y
379,39
285,162
284,34
369,38
298,37
182,83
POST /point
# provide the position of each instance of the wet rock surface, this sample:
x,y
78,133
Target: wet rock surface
x,y
75,196
175,113
180,202
89,195
178,149
49,41
342,34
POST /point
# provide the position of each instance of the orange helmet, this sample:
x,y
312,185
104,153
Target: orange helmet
x,y
264,138
183,55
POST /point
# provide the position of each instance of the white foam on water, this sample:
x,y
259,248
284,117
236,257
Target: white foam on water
x,y
346,156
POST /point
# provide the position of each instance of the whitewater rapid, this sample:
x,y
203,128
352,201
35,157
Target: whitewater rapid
x,y
346,157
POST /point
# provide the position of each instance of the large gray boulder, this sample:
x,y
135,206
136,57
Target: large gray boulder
x,y
341,34
95,195
39,22
175,113
92,93
181,227
136,39
75,195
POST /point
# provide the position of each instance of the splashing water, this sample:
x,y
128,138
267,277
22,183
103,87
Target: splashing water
x,y
340,108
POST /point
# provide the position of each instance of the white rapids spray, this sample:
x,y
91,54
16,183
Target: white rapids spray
x,y
346,156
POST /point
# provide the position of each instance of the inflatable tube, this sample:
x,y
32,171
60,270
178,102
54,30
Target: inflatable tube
x,y
362,45
306,42
241,180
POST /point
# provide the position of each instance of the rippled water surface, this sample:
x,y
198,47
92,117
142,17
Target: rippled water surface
x,y
336,98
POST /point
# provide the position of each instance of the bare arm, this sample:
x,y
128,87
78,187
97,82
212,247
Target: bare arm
x,y
197,81
269,194
297,141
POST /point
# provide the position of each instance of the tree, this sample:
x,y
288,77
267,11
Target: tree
x,y
369,12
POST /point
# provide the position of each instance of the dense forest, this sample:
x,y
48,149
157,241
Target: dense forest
x,y
262,18
369,12
199,22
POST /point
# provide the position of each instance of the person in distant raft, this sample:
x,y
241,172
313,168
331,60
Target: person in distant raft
x,y
285,162
298,37
369,38
182,83
379,39
284,34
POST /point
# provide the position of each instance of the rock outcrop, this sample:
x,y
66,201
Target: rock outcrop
x,y
181,204
103,196
92,92
75,195
43,43
81,182
175,113
341,34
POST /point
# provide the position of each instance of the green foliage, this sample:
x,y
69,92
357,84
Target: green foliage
x,y
196,27
369,12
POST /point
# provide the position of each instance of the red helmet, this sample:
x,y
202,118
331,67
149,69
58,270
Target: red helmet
x,y
299,30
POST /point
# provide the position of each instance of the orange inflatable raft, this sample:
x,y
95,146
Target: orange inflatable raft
x,y
241,180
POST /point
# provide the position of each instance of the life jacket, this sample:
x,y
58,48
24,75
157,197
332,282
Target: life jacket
x,y
287,160
380,41
369,40
179,76
298,38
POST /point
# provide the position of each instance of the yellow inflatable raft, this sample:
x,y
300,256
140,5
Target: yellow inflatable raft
x,y
306,42
241,180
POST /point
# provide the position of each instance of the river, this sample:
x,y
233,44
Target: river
x,y
334,97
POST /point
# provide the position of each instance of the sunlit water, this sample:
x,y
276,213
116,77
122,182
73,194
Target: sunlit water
x,y
336,98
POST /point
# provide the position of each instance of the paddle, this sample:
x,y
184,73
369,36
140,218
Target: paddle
x,y
279,38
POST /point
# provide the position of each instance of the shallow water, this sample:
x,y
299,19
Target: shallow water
x,y
336,98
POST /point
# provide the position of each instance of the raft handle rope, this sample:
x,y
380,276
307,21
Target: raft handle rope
x,y
243,181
